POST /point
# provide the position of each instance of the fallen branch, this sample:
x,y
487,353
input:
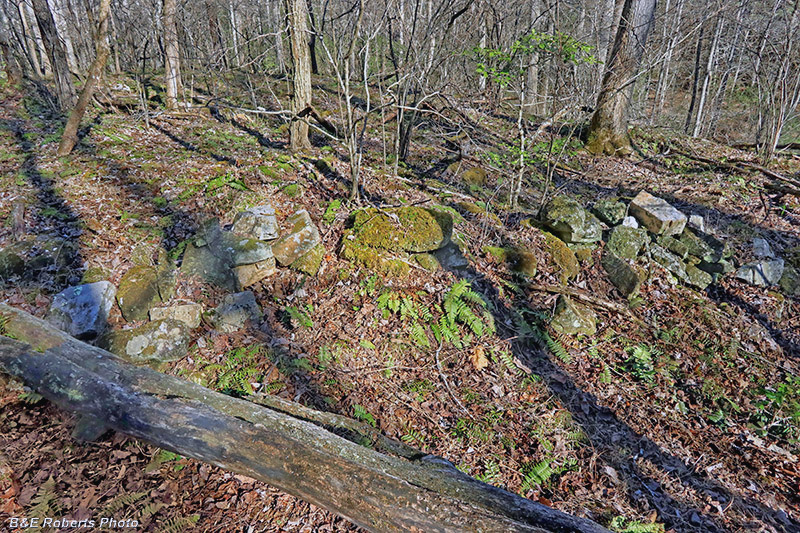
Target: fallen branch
x,y
592,300
285,444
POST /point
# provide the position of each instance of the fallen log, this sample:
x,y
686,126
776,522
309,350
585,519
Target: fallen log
x,y
379,486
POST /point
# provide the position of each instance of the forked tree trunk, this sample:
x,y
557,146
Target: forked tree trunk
x,y
297,14
65,91
377,483
608,132
70,136
172,61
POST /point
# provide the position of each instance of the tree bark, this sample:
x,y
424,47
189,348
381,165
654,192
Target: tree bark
x,y
65,91
11,67
172,62
608,132
381,486
297,15
70,136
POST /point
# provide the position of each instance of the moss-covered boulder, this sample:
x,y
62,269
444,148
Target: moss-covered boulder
x,y
474,177
570,222
790,281
480,213
626,242
671,262
563,257
30,257
154,343
188,314
572,318
697,278
373,258
235,311
143,287
427,261
408,229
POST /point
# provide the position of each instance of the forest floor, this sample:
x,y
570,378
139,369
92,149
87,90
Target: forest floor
x,y
701,436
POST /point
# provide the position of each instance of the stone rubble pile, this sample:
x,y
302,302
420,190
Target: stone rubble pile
x,y
232,259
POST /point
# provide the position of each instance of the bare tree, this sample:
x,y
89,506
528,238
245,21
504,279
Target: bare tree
x,y
608,132
65,91
297,15
172,64
70,137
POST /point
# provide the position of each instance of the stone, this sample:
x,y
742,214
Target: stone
x,y
626,276
82,311
141,288
235,310
301,237
571,318
762,249
563,257
790,281
157,342
188,314
451,258
476,177
411,229
626,242
94,274
201,262
247,275
570,222
28,258
630,222
427,261
671,262
697,222
720,267
310,262
518,259
697,278
257,223
763,273
657,215
610,211
704,246
674,245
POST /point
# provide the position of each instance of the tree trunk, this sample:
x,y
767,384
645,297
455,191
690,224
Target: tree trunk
x,y
11,67
65,92
172,62
709,72
30,45
382,486
697,55
608,132
312,40
70,137
297,14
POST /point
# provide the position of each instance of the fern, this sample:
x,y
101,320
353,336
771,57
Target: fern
x,y
557,349
236,371
361,414
640,363
537,475
419,336
121,501
178,524
621,524
491,474
300,316
45,503
508,361
31,397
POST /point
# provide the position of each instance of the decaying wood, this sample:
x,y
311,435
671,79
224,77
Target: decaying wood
x,y
290,446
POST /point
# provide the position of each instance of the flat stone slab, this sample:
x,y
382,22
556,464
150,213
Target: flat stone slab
x,y
657,215
762,273
247,275
82,311
626,242
626,276
141,288
257,223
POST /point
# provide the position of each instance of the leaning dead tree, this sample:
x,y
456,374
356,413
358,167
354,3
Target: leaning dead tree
x,y
331,461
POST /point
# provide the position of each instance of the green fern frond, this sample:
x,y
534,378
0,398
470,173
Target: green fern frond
x,y
178,524
45,503
122,500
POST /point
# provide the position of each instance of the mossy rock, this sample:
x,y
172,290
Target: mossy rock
x,y
626,276
408,229
478,211
571,318
141,288
372,258
611,211
311,261
518,259
154,343
474,177
563,258
293,190
94,274
627,242
427,261
570,222
790,281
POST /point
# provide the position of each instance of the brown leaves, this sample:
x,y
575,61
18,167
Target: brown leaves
x,y
478,358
